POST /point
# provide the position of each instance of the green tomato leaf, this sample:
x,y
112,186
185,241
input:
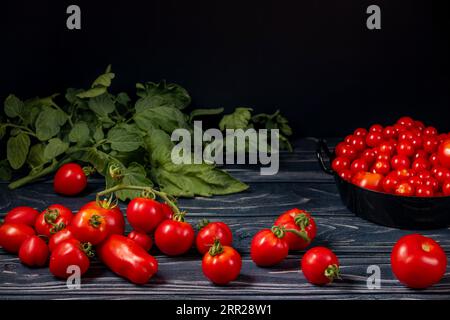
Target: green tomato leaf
x,y
124,140
134,175
17,150
164,94
204,112
98,159
102,105
5,170
103,80
2,131
98,134
49,122
92,93
54,148
79,133
36,156
14,107
165,118
239,119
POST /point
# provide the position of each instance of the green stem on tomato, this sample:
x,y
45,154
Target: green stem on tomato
x,y
150,190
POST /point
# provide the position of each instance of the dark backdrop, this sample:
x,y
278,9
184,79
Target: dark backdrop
x,y
315,60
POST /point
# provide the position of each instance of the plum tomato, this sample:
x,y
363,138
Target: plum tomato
x,y
268,247
142,239
221,264
53,219
12,235
24,215
34,252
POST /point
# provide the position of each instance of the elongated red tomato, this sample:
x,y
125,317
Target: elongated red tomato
x,y
211,231
34,252
70,179
22,215
269,247
12,235
320,266
111,213
301,221
221,264
126,258
142,239
174,237
60,236
89,225
56,217
68,254
144,214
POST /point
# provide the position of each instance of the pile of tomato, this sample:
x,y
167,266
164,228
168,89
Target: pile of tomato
x,y
406,159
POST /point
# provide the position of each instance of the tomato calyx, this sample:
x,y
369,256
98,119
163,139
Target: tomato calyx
x,y
108,204
115,172
280,231
95,221
202,223
216,248
179,216
88,249
332,272
88,171
301,220
50,217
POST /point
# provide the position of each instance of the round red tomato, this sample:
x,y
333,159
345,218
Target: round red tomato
x,y
340,164
12,235
430,131
211,231
70,179
111,213
390,183
142,239
415,182
418,261
320,266
376,128
89,225
446,188
358,143
405,189
403,174
367,180
221,264
22,215
430,144
167,210
144,214
67,254
420,154
360,132
433,159
56,217
405,148
268,247
406,121
381,167
34,252
400,162
346,175
300,220
174,237
374,139
444,154
441,174
431,182
420,164
368,156
59,237
346,151
389,132
424,191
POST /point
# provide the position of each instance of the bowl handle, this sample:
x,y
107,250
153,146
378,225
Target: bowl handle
x,y
322,149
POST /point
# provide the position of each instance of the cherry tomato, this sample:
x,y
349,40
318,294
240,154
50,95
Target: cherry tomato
x,y
384,157
346,175
423,174
358,165
403,174
434,160
300,220
400,162
444,154
174,237
405,189
405,135
67,254
389,132
268,247
70,179
390,183
399,128
406,121
89,225
420,154
111,213
424,191
22,215
386,148
167,210
340,164
144,214
360,132
441,174
368,156
34,252
345,150
53,219
378,128
419,125
221,264
59,237
430,144
374,139
415,182
12,235
381,167
348,139
367,180
405,148
142,239
358,143
209,232
430,131
431,182
446,188
420,164
417,261
320,266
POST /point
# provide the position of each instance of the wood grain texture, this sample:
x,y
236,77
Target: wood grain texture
x,y
358,244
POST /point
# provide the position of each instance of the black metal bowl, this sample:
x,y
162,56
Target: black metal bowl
x,y
388,209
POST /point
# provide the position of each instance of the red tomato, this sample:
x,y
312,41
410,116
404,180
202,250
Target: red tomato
x,y
126,258
390,183
70,253
441,174
111,213
12,235
419,125
446,188
70,179
430,144
406,121
340,164
374,139
22,215
431,182
358,143
424,191
433,159
403,174
59,237
376,128
444,154
420,164
320,266
300,220
420,154
221,264
167,210
386,148
56,217
405,148
268,247
423,174
346,175
360,132
405,189
367,180
384,157
89,225
358,165
345,150
415,182
389,132
417,261
348,139
430,131
174,237
368,156
416,142
34,252
405,135
142,239
381,167
400,162
211,231
144,214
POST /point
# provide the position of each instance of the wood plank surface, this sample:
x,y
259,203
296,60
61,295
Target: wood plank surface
x,y
358,244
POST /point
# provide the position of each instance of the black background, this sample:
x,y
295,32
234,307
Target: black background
x,y
314,60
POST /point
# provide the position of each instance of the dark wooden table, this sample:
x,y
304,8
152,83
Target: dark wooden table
x,y
300,183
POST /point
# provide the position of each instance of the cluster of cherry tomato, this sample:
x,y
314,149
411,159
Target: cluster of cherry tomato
x,y
407,159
